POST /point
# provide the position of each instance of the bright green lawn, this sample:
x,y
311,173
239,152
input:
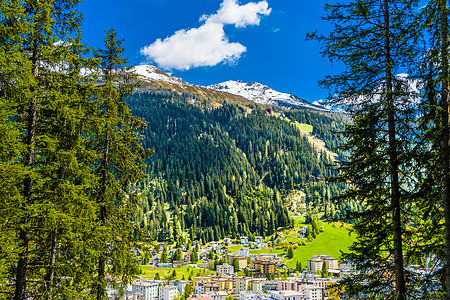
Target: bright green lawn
x,y
149,272
276,251
234,249
329,242
304,127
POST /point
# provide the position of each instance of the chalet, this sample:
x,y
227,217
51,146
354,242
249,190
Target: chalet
x,y
243,252
259,239
227,241
244,240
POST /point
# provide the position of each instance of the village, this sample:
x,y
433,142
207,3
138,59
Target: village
x,y
215,273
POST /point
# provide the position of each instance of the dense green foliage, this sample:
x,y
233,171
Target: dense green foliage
x,y
223,171
51,118
398,143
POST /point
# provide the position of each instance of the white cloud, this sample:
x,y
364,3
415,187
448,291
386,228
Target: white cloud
x,y
197,47
208,44
231,12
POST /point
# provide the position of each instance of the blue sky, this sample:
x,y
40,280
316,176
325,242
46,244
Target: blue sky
x,y
217,40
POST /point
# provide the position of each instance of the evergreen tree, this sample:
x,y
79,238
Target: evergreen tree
x,y
119,165
45,104
164,255
290,252
375,40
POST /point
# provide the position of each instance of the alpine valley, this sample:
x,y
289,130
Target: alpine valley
x,y
231,159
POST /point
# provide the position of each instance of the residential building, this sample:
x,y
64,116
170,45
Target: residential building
x,y
242,260
270,285
264,265
256,285
218,295
243,252
253,296
226,283
287,295
180,284
241,284
259,239
200,297
244,240
227,241
167,292
149,289
225,269
210,286
316,263
288,285
311,291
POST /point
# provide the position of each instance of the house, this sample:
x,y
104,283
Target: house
x,y
316,263
149,289
242,260
241,284
204,255
302,232
253,296
178,263
217,295
225,269
243,252
244,240
287,295
168,292
259,239
311,291
227,241
200,297
263,245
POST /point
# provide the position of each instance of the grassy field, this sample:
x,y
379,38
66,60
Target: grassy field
x,y
276,251
149,272
234,249
329,242
304,127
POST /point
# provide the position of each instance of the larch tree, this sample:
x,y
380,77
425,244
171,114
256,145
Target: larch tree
x,y
120,164
45,100
374,40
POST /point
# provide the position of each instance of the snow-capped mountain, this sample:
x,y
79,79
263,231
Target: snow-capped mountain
x,y
263,94
252,91
148,72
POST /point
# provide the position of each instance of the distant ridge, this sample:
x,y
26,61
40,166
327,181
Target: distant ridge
x,y
153,78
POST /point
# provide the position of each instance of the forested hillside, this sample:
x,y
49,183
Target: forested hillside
x,y
225,171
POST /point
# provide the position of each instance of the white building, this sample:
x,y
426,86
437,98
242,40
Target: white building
x,y
253,296
148,288
259,239
244,240
167,292
311,291
219,295
287,295
243,252
225,269
227,241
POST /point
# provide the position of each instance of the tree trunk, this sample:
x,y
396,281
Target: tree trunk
x,y
445,135
24,235
400,287
51,272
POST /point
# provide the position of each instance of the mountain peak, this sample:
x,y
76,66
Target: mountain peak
x,y
263,94
149,72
